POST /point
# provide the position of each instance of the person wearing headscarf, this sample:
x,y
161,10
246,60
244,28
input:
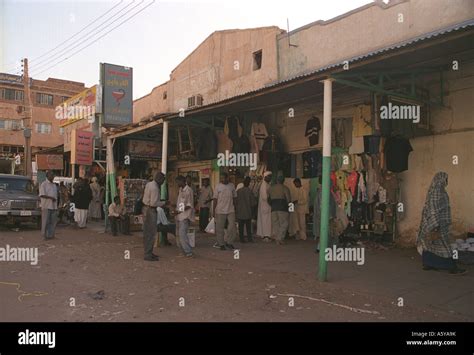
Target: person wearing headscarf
x,y
436,219
264,214
95,204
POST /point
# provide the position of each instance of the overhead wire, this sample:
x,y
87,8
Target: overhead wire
x,y
89,44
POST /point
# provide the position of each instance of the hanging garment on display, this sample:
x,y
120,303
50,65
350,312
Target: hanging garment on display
x,y
342,132
259,131
233,128
357,146
397,150
361,189
313,126
372,182
223,142
352,180
362,121
371,144
382,194
312,164
390,183
357,163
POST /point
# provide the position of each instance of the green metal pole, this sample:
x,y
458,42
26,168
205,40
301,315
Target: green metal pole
x,y
324,229
324,226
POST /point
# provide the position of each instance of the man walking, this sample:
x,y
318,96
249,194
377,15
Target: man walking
x,y
264,217
224,210
185,214
279,196
244,203
48,192
151,200
204,204
298,216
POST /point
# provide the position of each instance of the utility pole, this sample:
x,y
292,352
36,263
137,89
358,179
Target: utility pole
x,y
28,111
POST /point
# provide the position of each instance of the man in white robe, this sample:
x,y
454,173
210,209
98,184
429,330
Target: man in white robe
x,y
264,217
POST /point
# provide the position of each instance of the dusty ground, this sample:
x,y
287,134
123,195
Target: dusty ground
x,y
217,287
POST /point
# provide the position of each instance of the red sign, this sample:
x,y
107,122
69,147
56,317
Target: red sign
x,y
82,147
49,161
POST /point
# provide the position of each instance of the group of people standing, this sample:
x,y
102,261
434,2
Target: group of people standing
x,y
57,200
88,199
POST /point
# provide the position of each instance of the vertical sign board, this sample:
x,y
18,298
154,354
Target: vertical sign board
x,y
117,94
82,147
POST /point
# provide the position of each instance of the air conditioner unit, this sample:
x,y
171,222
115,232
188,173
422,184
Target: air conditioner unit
x,y
195,100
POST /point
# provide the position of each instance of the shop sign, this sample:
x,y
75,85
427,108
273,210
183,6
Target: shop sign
x,y
49,161
79,107
144,149
82,147
117,95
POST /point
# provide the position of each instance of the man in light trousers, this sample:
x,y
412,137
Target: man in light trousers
x,y
224,210
185,214
48,192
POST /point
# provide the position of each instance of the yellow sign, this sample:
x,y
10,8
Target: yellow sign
x,y
79,107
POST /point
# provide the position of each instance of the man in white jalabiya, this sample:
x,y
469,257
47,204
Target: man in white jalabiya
x,y
264,216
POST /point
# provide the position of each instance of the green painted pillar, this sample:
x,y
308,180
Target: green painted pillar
x,y
324,229
324,226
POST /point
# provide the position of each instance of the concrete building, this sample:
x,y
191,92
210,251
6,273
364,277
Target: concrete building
x,y
226,64
45,96
416,51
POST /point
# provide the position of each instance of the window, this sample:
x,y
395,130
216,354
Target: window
x,y
43,128
44,99
191,101
11,94
61,130
257,60
11,124
165,95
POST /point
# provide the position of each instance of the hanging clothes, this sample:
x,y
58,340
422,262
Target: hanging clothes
x,y
259,131
223,142
371,144
342,132
372,182
312,164
362,121
357,146
313,126
397,150
361,188
352,180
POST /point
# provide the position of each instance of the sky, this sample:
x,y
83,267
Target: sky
x,y
153,42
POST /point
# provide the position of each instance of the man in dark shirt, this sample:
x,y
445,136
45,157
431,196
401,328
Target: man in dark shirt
x,y
244,203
